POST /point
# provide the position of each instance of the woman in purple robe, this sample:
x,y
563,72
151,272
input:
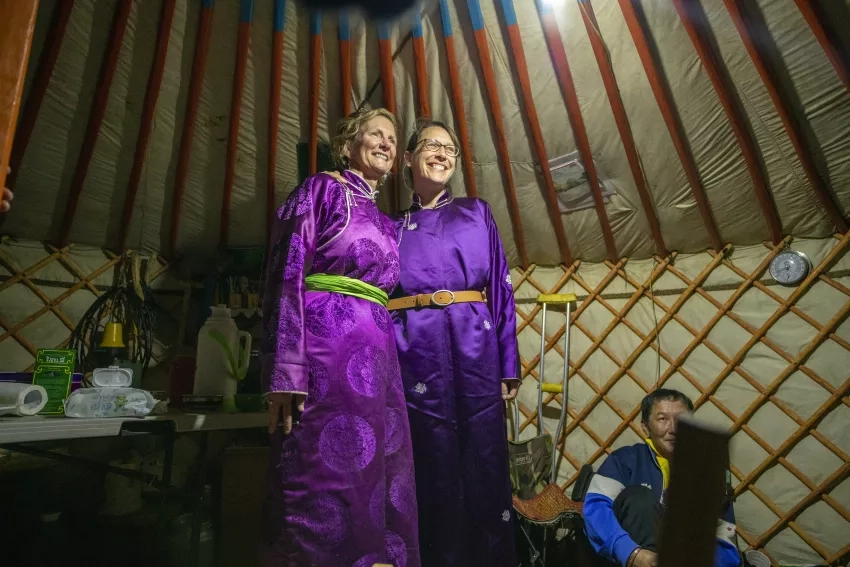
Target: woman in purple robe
x,y
341,484
459,360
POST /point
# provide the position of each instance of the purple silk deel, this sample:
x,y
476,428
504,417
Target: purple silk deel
x,y
341,485
453,360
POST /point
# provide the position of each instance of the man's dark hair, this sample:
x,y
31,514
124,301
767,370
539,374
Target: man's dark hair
x,y
662,395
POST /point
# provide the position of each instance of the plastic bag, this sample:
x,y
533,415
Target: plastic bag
x,y
109,402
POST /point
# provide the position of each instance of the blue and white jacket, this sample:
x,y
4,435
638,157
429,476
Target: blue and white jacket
x,y
630,466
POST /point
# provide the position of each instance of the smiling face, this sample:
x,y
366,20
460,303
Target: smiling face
x,y
430,161
373,151
661,427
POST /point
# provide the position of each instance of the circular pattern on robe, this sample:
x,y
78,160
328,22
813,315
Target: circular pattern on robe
x,y
396,550
381,317
295,258
288,329
287,460
396,377
281,382
377,503
328,523
403,493
367,371
393,431
297,204
317,387
347,443
330,316
364,260
391,272
366,560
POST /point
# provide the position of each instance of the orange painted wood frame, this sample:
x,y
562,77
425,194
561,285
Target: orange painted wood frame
x,y
694,19
815,17
32,106
16,30
345,63
671,119
274,110
385,53
760,60
196,83
615,100
568,92
98,110
148,110
420,67
315,69
496,114
457,102
242,42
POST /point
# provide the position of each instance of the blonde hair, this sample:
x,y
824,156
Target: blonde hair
x,y
350,129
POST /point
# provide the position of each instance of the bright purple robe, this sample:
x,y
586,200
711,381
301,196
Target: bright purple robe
x,y
341,485
453,360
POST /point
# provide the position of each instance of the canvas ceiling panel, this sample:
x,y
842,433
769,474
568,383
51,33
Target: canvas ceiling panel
x,y
539,234
365,63
330,110
439,86
678,216
151,214
795,202
248,204
102,199
489,179
560,140
720,165
48,166
43,18
201,210
625,212
819,92
293,116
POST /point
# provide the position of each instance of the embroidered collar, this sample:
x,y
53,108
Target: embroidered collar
x,y
361,187
442,200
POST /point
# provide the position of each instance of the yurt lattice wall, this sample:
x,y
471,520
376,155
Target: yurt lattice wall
x,y
766,361
45,291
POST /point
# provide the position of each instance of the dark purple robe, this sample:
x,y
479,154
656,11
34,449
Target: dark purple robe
x,y
341,485
453,361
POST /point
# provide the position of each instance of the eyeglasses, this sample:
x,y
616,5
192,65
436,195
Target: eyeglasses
x,y
434,146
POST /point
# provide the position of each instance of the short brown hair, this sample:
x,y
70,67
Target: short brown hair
x,y
349,131
423,124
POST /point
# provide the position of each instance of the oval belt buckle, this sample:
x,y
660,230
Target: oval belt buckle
x,y
437,303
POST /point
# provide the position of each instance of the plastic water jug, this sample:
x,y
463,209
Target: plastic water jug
x,y
223,355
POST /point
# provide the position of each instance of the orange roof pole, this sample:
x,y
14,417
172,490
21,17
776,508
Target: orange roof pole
x,y
16,31
98,110
196,83
671,119
148,110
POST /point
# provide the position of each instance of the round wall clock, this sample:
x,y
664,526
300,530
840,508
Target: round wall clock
x,y
790,267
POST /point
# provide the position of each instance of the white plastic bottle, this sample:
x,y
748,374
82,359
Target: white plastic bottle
x,y
216,365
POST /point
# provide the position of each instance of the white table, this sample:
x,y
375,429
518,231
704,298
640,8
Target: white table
x,y
47,428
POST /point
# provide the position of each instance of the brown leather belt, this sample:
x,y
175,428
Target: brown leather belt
x,y
440,298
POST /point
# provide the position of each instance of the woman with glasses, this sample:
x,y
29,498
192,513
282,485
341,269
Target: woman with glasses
x,y
458,355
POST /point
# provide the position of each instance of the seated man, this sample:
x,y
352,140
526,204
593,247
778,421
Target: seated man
x,y
625,499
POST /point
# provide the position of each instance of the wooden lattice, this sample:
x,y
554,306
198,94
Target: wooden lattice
x,y
618,413
31,305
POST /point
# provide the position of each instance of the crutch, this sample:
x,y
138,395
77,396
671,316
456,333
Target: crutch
x,y
545,299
